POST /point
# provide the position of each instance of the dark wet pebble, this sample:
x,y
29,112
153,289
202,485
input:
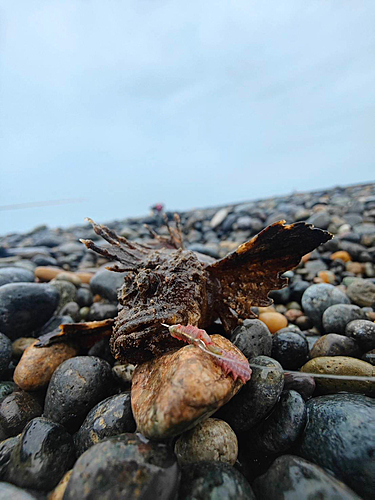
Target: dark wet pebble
x,y
25,307
213,481
54,323
7,388
301,383
102,350
109,418
84,297
106,283
362,293
336,317
363,332
290,349
257,397
317,298
280,296
15,275
71,309
125,466
11,492
5,352
99,311
297,289
42,455
6,449
282,428
44,260
294,478
335,345
76,386
252,338
16,410
340,437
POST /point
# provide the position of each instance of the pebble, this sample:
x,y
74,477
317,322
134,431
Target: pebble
x,y
15,275
333,344
252,338
108,418
342,255
124,466
282,428
9,491
58,492
163,390
297,289
71,309
47,273
290,349
362,293
20,345
5,352
257,397
293,314
294,478
124,373
213,481
300,383
336,317
106,284
340,437
84,297
44,452
341,365
100,311
76,386
71,277
363,332
7,388
38,364
317,298
67,293
369,357
25,307
211,440
15,411
274,321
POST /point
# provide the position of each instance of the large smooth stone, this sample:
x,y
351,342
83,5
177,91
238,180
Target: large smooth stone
x,y
76,386
362,293
290,349
336,317
252,338
341,365
293,478
38,364
340,437
109,418
10,492
211,440
213,481
43,454
363,332
317,298
25,307
174,392
257,397
125,466
106,284
15,411
15,275
335,345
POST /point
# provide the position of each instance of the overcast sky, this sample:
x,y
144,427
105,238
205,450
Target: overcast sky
x,y
127,103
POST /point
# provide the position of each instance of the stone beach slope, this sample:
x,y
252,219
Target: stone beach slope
x,y
75,423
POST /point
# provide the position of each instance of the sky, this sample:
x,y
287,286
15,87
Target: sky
x,y
114,106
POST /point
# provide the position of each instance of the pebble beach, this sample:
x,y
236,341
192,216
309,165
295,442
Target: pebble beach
x,y
75,423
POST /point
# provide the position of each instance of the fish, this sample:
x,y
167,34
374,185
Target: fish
x,y
166,284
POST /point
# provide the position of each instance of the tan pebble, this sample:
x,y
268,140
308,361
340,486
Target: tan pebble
x,y
19,346
327,276
58,492
306,258
317,280
37,365
212,440
71,277
354,267
266,309
124,373
176,391
45,273
85,277
341,365
293,314
274,320
342,255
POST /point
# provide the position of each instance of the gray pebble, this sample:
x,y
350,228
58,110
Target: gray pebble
x,y
106,284
317,298
362,293
335,345
252,338
363,332
336,317
15,275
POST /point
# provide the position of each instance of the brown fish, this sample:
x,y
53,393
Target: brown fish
x,y
164,283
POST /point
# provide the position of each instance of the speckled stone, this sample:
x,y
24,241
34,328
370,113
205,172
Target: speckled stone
x,y
341,365
340,437
294,478
317,298
336,317
363,332
38,364
211,440
126,466
66,290
109,418
290,349
176,391
252,338
213,481
335,345
257,397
